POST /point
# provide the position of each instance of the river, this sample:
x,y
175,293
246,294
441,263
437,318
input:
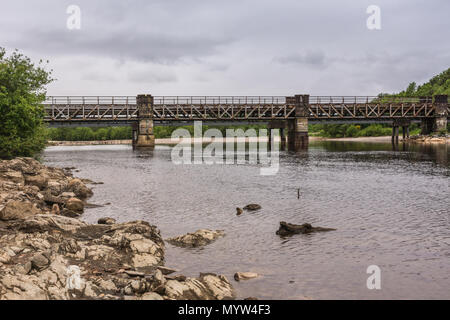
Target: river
x,y
390,207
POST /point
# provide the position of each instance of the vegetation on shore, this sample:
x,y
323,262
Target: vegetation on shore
x,y
437,85
125,133
22,90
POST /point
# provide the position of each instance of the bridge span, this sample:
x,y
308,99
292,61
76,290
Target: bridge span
x,y
290,114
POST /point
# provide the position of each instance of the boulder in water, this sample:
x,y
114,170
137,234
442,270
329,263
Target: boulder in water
x,y
252,207
196,239
288,229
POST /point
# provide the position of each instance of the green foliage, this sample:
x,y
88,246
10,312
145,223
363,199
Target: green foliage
x,y
89,134
345,130
22,90
125,133
438,85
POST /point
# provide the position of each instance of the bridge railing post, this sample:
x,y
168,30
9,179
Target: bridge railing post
x,y
145,132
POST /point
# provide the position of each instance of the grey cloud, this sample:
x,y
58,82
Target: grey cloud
x,y
151,77
229,47
314,59
122,44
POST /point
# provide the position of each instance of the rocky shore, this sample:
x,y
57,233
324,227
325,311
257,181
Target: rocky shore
x,y
430,139
46,252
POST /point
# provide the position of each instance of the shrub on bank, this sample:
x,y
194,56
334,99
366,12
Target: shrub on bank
x,y
22,90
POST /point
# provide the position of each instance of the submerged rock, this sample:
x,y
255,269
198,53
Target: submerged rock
x,y
245,276
253,207
287,229
197,239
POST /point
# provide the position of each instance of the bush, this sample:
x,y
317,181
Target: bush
x,y
375,130
352,131
22,90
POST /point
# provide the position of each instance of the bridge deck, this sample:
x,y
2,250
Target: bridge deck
x,y
246,108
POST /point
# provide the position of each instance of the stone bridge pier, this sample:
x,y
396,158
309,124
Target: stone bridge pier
x,y
439,122
441,102
298,138
143,132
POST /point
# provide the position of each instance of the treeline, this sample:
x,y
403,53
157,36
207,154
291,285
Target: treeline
x,y
126,133
437,85
353,131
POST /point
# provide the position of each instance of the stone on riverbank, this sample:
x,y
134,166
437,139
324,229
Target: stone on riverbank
x,y
287,229
74,204
197,239
109,221
47,256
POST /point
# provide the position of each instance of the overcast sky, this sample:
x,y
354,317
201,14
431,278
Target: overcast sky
x,y
227,47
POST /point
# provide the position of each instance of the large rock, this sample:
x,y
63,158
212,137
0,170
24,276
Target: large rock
x,y
206,287
74,204
14,210
79,188
196,239
13,176
40,181
287,229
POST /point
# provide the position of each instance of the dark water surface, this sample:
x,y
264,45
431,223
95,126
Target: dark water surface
x,y
391,209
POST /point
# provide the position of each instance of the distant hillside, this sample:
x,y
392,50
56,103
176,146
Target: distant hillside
x,y
439,84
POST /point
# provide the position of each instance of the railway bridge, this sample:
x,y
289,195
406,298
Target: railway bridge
x,y
289,114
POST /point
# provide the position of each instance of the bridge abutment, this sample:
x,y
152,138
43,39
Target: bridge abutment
x,y
441,102
298,137
145,137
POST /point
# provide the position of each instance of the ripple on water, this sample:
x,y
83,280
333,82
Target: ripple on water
x,y
390,208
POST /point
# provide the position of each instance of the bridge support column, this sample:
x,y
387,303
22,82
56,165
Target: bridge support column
x,y
283,138
298,128
395,134
404,123
145,133
281,125
441,102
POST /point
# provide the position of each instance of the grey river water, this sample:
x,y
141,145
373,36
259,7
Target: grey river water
x,y
390,207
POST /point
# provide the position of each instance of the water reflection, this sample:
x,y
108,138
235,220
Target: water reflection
x,y
390,208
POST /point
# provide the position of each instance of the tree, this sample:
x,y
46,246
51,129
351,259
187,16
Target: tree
x,y
22,90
